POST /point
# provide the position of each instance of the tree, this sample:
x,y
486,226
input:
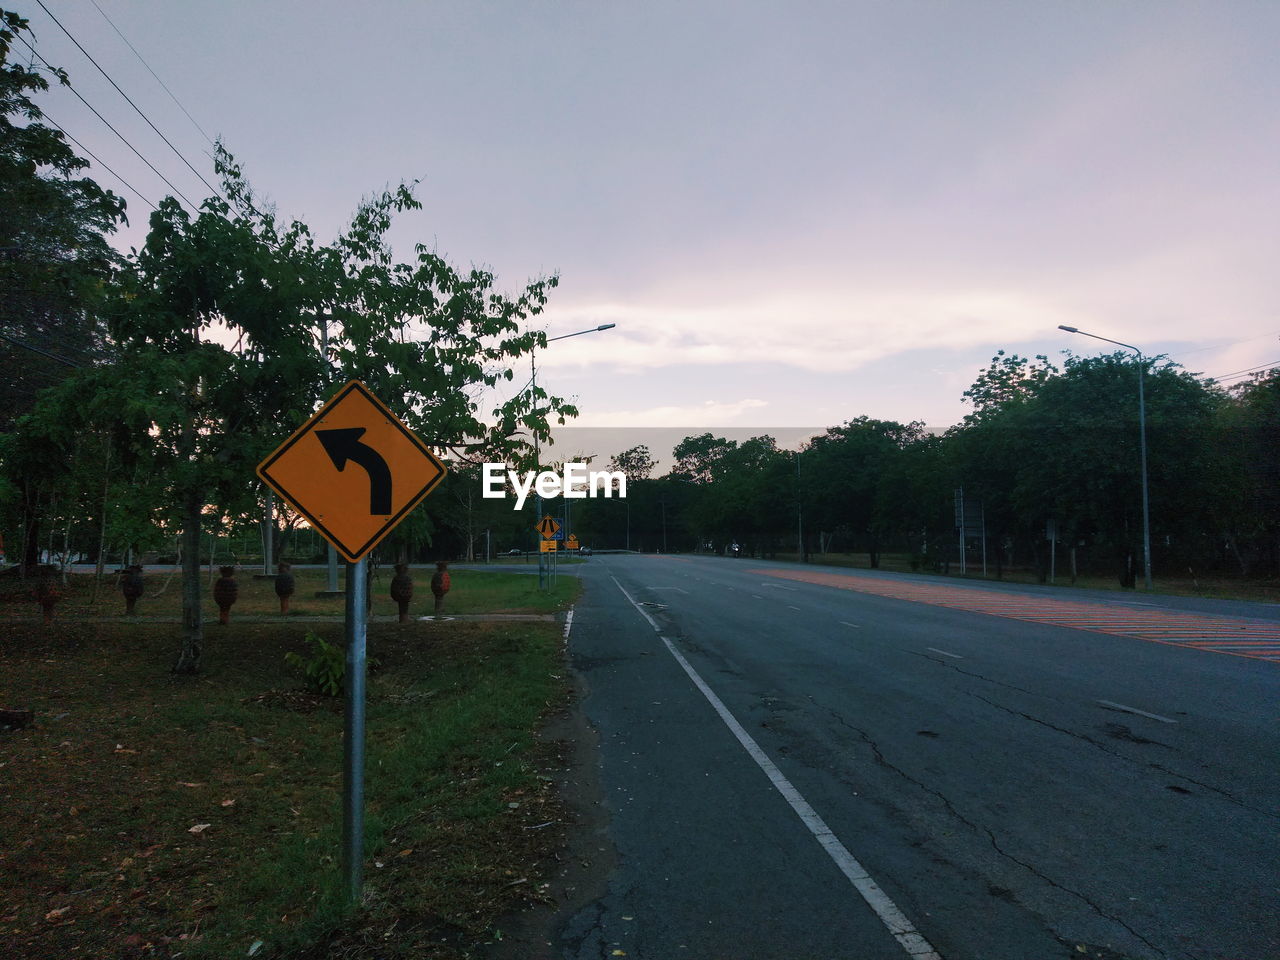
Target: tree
x,y
54,254
421,335
635,464
54,259
854,465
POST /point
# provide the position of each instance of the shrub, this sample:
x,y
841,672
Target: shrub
x,y
325,669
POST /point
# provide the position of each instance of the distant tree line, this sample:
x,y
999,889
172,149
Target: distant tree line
x,y
1042,447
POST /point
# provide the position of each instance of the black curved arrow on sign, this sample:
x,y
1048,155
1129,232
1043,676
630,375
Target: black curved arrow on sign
x,y
343,445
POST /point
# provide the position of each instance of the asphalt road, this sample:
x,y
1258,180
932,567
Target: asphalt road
x,y
880,766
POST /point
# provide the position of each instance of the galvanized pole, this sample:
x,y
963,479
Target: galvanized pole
x,y
269,532
353,745
331,584
799,512
1146,506
1142,441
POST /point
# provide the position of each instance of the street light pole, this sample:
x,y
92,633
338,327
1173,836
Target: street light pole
x,y
533,386
799,512
1142,433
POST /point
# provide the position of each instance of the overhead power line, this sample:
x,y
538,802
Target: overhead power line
x,y
111,128
152,72
44,353
96,160
138,109
1245,373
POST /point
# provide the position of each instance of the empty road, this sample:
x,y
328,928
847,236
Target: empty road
x,y
806,762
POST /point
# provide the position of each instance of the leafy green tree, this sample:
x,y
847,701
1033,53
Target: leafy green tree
x,y
1248,496
422,335
854,466
54,259
636,464
54,254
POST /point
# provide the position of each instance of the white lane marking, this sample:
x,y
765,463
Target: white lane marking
x,y
568,623
652,622
756,596
790,607
848,624
1141,713
944,653
912,942
681,589
894,919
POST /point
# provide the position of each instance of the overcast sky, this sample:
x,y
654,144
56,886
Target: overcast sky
x,y
796,213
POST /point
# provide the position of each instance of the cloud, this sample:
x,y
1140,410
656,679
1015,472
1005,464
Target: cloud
x,y
712,413
837,332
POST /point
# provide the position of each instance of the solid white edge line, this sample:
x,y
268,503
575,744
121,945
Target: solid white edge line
x,y
894,920
1141,713
568,623
653,623
944,653
898,925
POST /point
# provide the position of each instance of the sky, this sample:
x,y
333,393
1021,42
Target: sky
x,y
795,213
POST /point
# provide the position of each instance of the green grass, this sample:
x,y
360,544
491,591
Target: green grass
x,y
125,759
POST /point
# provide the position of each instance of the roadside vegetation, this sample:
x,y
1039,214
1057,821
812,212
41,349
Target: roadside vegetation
x,y
1049,463
157,815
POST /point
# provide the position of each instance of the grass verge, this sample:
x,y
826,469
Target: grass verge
x,y
151,816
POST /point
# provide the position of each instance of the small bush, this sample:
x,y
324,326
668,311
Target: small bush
x,y
325,669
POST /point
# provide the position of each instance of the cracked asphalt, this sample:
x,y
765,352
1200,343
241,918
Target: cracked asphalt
x,y
988,774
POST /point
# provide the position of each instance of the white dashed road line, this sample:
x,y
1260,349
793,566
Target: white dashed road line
x,y
894,919
848,624
1142,713
944,653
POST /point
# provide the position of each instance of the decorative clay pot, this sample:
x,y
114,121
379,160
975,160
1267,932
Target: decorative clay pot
x,y
47,592
225,591
131,586
440,584
402,590
285,584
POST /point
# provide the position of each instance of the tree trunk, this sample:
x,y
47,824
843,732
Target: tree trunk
x,y
188,661
102,526
31,543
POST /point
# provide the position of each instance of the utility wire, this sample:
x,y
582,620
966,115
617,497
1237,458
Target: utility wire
x,y
1229,343
152,72
111,128
1244,373
44,353
210,186
94,157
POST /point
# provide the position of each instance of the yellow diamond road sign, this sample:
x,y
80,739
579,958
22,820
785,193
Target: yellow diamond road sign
x,y
548,527
353,470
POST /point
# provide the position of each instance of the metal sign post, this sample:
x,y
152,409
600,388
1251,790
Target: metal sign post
x,y
353,729
354,471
